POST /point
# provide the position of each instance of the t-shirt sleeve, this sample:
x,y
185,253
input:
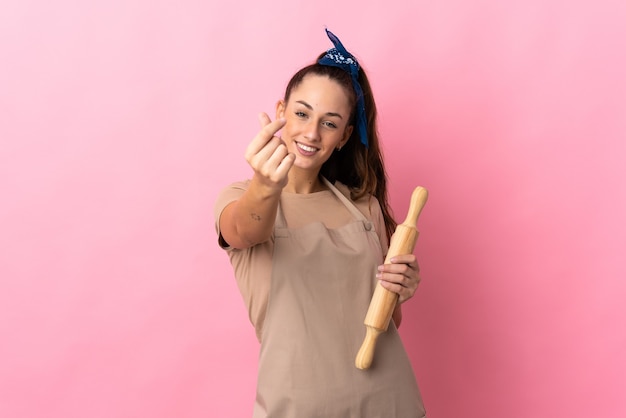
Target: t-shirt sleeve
x,y
228,195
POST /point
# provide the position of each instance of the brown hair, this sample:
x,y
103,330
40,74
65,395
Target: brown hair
x,y
361,169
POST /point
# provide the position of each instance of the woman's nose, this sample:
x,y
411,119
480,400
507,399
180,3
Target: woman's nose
x,y
312,131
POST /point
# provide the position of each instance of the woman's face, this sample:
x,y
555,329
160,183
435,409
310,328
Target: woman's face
x,y
317,120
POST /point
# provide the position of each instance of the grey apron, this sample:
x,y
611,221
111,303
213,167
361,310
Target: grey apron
x,y
321,285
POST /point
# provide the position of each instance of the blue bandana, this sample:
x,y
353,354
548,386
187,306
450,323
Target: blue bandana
x,y
340,57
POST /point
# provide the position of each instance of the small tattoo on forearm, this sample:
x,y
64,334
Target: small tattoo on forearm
x,y
255,216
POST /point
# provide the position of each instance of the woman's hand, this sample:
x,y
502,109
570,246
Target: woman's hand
x,y
268,155
402,276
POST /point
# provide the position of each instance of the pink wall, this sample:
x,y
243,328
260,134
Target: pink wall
x,y
120,121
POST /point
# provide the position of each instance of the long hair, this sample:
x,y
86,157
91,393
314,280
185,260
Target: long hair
x,y
361,169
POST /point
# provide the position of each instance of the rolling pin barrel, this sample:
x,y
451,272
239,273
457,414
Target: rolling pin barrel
x,y
384,301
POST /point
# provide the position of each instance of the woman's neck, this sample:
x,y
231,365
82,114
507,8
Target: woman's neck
x,y
302,182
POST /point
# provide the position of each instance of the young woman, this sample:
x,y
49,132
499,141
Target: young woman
x,y
307,236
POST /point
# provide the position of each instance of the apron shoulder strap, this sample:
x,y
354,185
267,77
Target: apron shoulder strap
x,y
347,202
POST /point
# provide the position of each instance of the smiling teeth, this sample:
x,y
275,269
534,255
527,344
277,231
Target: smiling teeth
x,y
307,148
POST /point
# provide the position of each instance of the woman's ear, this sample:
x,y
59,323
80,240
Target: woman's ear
x,y
280,109
346,135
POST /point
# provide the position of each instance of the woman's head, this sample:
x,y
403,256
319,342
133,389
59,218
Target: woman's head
x,y
318,120
358,166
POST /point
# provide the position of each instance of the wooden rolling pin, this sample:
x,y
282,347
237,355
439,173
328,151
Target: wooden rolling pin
x,y
384,301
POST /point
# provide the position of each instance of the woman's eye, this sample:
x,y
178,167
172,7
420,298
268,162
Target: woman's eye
x,y
330,125
300,114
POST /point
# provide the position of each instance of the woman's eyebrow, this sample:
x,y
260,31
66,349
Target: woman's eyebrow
x,y
308,106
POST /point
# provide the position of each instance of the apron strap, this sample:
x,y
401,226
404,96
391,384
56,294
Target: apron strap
x,y
347,202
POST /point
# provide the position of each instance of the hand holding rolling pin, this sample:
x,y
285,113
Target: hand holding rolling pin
x,y
398,281
402,276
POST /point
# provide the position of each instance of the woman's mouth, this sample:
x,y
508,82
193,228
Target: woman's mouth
x,y
306,150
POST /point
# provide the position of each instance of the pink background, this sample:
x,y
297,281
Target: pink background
x,y
121,120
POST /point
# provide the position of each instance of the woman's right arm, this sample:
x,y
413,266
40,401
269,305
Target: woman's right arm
x,y
250,220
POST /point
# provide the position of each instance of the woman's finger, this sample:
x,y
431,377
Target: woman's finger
x,y
409,259
264,136
264,119
285,165
275,166
403,293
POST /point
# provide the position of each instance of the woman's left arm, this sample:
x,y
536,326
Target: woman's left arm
x,y
401,276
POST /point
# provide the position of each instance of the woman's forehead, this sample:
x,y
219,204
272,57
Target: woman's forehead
x,y
321,90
